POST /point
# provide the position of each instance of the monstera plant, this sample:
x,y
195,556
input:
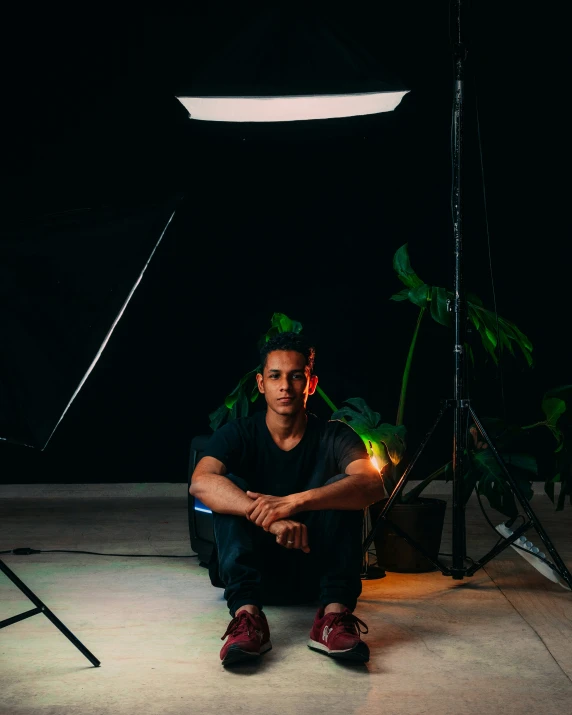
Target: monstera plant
x,y
512,441
386,443
522,456
497,334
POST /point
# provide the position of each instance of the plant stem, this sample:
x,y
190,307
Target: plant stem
x,y
326,399
405,379
536,424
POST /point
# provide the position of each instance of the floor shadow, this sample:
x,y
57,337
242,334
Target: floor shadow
x,y
249,667
359,668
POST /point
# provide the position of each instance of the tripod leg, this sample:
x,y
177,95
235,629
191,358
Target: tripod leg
x,y
42,608
559,563
460,408
404,477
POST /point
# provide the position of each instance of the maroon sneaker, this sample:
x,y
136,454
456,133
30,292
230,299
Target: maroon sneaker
x,y
248,638
338,635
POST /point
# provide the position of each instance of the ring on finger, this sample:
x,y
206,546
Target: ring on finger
x,y
289,542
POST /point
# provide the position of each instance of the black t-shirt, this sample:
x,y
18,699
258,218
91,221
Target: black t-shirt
x,y
247,450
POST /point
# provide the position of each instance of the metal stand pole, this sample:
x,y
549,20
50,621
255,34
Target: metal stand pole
x,y
459,423
462,409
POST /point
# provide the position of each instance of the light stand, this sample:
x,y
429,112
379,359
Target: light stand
x,y
40,606
461,406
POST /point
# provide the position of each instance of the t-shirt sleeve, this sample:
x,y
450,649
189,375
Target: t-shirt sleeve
x,y
226,446
348,446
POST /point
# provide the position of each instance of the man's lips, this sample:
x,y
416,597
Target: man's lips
x,y
285,399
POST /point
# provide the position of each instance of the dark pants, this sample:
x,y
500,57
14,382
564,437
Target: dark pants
x,y
254,569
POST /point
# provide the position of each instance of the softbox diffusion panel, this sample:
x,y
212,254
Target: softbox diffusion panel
x,y
64,284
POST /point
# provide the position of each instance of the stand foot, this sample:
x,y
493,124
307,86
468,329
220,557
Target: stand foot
x,y
42,608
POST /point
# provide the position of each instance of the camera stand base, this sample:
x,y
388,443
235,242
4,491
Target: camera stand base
x,y
458,571
42,608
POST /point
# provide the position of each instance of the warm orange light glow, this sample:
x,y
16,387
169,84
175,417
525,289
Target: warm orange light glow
x,y
375,463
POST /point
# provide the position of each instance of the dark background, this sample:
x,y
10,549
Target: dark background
x,y
304,224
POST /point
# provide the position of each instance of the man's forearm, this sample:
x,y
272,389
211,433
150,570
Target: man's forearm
x,y
354,492
220,494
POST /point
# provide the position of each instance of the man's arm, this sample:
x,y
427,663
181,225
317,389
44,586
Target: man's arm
x,y
363,486
211,486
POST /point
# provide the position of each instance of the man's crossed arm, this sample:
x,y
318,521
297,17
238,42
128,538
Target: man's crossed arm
x,y
362,487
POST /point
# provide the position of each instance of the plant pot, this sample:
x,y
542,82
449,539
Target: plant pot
x,y
423,521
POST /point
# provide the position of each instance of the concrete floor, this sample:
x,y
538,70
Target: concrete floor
x,y
499,642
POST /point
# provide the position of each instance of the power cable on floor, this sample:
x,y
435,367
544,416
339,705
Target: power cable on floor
x,y
26,551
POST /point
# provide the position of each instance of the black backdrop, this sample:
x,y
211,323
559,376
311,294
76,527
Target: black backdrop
x,y
306,226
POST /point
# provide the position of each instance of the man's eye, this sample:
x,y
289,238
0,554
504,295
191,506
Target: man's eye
x,y
299,376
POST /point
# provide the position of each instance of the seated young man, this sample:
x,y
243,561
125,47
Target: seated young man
x,y
287,491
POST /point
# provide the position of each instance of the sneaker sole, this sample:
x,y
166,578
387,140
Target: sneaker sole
x,y
235,654
359,653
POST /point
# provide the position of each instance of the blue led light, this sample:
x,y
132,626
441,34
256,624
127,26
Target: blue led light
x,y
199,506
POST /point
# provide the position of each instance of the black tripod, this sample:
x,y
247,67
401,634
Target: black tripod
x,y
42,608
461,406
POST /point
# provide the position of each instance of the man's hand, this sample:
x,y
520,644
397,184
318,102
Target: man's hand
x,y
266,509
290,534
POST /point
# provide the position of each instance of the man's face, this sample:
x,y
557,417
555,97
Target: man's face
x,y
286,382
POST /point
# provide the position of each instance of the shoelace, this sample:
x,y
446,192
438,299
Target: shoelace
x,y
349,622
240,624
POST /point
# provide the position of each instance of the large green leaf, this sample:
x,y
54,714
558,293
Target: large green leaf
x,y
359,412
497,333
440,306
255,394
393,437
491,481
284,324
218,417
233,396
553,407
384,441
511,439
279,323
402,295
402,267
419,295
240,407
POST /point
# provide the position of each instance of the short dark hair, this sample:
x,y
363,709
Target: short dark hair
x,y
289,341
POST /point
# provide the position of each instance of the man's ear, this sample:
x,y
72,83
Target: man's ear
x,y
260,383
312,384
